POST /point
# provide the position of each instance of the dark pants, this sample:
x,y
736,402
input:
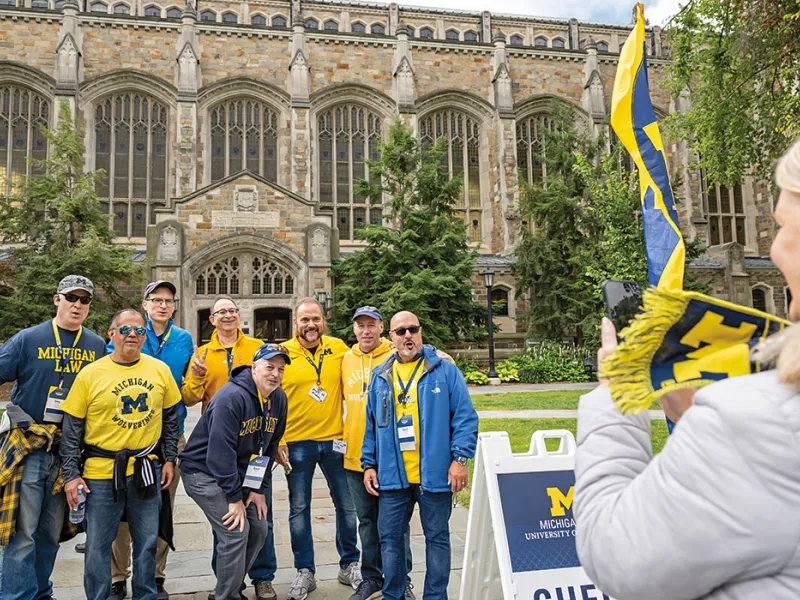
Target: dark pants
x,y
367,511
395,508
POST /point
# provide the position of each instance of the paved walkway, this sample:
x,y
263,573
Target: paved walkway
x,y
545,414
506,388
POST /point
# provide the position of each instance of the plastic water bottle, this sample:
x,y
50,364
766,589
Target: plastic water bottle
x,y
76,514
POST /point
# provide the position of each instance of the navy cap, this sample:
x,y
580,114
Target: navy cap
x,y
154,285
368,311
272,350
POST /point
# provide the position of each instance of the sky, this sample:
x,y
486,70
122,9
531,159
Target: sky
x,y
610,11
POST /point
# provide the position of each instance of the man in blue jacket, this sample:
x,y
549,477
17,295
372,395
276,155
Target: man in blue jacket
x,y
173,346
227,463
421,429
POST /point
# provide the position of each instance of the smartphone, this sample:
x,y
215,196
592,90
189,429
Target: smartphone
x,y
623,300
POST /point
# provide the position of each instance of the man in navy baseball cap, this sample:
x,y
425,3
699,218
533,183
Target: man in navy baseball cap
x,y
367,311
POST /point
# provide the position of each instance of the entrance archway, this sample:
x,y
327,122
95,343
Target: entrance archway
x,y
272,324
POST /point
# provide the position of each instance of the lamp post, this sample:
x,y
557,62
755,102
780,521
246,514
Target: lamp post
x,y
322,298
488,281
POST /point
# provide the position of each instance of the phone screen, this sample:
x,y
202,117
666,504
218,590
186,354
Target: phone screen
x,y
623,300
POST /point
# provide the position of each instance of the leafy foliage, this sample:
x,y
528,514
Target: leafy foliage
x,y
419,260
550,362
57,229
507,371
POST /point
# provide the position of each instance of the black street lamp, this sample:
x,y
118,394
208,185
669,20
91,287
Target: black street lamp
x,y
322,298
488,281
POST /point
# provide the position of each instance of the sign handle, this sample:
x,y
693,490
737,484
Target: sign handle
x,y
566,446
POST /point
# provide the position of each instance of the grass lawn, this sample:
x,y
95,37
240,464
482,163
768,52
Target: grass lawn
x,y
520,431
557,400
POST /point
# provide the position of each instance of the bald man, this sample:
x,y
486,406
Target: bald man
x,y
412,387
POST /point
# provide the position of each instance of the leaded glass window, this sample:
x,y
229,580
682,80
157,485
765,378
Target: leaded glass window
x,y
23,117
463,151
426,33
278,21
725,212
558,43
347,134
358,27
531,147
312,24
258,20
470,36
377,29
152,11
208,15
270,278
222,277
131,147
451,34
229,17
174,13
244,135
540,42
331,26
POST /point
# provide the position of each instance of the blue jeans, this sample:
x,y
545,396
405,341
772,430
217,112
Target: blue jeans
x,y
28,560
305,456
395,509
266,563
103,516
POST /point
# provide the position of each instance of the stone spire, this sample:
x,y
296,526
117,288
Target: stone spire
x,y
299,70
593,97
501,77
404,88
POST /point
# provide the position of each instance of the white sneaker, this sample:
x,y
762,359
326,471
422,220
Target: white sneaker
x,y
351,575
303,583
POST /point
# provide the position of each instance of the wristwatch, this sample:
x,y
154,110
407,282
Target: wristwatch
x,y
462,460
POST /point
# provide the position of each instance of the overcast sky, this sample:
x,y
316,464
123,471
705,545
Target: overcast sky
x,y
611,11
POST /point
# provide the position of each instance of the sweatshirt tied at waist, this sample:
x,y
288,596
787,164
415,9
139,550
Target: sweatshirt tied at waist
x,y
144,470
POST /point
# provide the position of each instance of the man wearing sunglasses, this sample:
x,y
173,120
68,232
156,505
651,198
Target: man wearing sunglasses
x,y
227,463
421,429
174,346
43,361
122,410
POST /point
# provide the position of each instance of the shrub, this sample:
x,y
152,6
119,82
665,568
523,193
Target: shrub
x,y
550,362
476,377
507,371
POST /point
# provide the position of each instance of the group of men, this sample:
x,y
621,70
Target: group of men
x,y
109,421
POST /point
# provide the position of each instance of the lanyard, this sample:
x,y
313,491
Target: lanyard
x,y
404,387
161,345
229,353
64,360
365,379
317,368
267,409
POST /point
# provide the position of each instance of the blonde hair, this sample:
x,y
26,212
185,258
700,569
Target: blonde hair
x,y
787,173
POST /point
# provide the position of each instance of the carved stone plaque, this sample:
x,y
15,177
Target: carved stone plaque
x,y
320,251
259,220
245,199
168,241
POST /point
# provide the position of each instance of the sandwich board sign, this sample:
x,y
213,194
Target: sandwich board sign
x,y
520,530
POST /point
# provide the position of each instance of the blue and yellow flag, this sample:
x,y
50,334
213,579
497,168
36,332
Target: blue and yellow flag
x,y
634,122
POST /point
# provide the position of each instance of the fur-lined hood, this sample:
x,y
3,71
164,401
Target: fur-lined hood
x,y
782,351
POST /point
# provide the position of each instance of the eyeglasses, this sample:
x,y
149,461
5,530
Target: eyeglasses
x,y
125,330
413,330
163,301
223,312
75,298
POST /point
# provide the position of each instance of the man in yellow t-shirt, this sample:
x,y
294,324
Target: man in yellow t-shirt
x,y
124,409
313,385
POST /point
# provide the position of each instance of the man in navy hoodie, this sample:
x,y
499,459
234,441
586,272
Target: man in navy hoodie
x,y
227,463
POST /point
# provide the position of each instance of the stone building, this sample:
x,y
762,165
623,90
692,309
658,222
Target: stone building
x,y
232,133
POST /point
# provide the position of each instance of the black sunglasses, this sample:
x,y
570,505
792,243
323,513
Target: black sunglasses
x,y
413,330
75,298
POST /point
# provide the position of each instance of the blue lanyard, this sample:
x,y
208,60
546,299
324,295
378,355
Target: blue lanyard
x,y
318,369
404,387
267,410
229,352
63,358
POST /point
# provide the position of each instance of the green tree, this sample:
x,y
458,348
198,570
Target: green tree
x,y
56,228
419,259
739,61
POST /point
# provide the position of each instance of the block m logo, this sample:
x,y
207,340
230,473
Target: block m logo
x,y
559,502
130,404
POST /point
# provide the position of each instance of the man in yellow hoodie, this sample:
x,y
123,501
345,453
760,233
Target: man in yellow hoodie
x,y
369,352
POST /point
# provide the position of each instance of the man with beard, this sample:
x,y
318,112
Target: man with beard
x,y
313,384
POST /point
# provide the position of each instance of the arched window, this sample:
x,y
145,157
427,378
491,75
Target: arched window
x,y
377,29
174,13
426,33
759,298
121,9
558,43
99,7
331,26
258,20
279,21
357,27
59,4
530,148
451,34
131,147
40,4
463,151
23,115
540,41
724,209
602,47
244,135
230,17
270,279
208,15
223,277
411,32
470,36
152,11
312,24
347,134
500,302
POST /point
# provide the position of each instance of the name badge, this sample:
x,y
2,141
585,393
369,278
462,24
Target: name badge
x,y
52,409
256,469
340,446
318,394
405,431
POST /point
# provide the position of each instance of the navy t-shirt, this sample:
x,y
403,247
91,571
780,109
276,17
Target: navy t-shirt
x,y
32,360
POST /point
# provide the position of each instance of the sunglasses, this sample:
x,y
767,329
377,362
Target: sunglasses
x,y
413,330
75,298
125,330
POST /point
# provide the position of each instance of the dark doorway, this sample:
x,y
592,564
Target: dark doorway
x,y
273,324
204,326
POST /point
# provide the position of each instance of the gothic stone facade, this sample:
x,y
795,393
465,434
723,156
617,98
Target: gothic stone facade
x,y
232,133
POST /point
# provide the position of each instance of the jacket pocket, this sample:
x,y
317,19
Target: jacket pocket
x,y
384,410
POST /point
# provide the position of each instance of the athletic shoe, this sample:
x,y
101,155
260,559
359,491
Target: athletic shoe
x,y
80,548
351,575
119,589
409,595
265,591
303,583
367,589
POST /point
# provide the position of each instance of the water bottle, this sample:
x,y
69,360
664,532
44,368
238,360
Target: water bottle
x,y
76,514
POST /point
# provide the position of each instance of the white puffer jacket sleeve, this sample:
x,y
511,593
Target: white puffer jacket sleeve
x,y
720,504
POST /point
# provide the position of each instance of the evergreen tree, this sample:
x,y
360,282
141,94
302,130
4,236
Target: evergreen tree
x,y
56,228
419,260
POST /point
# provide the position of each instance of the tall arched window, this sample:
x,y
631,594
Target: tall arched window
x,y
23,115
463,151
530,148
131,146
759,297
347,134
222,277
246,274
244,135
270,279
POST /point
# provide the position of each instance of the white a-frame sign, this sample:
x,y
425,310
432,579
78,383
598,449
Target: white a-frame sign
x,y
521,533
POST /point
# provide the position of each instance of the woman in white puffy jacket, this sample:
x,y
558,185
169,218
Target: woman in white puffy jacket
x,y
717,513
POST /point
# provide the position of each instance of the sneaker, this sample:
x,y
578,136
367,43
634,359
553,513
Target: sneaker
x,y
119,589
369,588
265,591
303,583
80,548
409,595
161,593
351,575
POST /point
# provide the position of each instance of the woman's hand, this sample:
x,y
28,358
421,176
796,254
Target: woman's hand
x,y
676,402
608,342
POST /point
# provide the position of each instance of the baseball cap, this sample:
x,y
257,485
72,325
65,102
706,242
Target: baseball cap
x,y
153,285
272,350
70,283
367,311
